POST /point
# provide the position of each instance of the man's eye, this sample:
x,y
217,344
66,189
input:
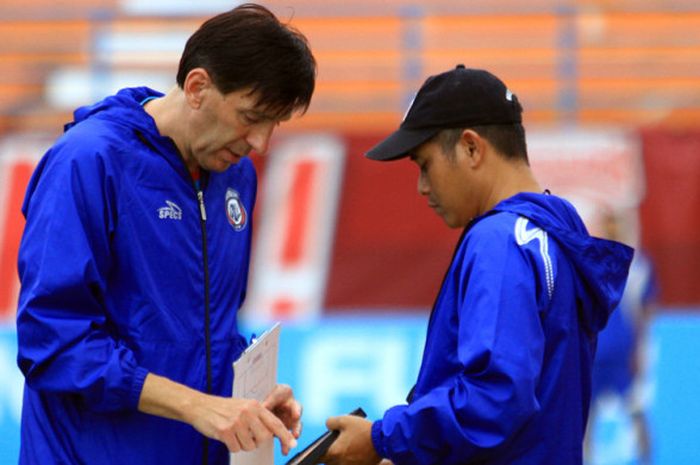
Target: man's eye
x,y
249,119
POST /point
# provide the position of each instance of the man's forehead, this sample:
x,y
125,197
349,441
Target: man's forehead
x,y
421,151
272,114
250,102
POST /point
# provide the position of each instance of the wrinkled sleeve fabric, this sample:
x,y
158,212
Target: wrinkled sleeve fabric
x,y
64,337
500,351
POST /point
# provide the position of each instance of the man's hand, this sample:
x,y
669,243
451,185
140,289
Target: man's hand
x,y
354,444
241,424
282,403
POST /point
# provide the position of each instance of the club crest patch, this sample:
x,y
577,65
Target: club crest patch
x,y
235,210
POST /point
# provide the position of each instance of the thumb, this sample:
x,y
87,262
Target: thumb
x,y
335,423
279,394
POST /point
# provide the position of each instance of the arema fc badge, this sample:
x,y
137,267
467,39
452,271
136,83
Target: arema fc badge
x,y
235,211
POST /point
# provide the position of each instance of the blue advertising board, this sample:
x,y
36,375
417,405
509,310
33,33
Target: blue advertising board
x,y
338,364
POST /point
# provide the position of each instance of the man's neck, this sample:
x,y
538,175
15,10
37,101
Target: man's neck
x,y
510,178
168,114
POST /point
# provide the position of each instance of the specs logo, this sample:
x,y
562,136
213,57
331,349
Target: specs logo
x,y
170,212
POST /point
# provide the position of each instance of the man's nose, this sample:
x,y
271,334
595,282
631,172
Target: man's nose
x,y
259,137
423,186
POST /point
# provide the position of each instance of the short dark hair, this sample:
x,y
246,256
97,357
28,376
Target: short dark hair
x,y
507,139
248,47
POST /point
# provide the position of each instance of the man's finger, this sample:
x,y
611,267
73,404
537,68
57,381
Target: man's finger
x,y
259,432
274,424
245,438
232,443
296,431
292,417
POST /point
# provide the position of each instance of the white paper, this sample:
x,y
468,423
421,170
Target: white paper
x,y
255,376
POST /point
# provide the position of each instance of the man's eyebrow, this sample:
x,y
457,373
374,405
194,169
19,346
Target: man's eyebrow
x,y
256,113
263,115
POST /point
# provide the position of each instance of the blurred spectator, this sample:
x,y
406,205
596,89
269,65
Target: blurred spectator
x,y
619,362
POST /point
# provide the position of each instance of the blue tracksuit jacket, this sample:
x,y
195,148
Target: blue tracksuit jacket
x,y
505,377
122,275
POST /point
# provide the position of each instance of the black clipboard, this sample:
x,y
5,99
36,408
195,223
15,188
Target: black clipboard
x,y
314,451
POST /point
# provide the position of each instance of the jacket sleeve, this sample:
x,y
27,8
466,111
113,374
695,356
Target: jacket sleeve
x,y
64,337
500,352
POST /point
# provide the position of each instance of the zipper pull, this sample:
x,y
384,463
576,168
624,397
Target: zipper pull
x,y
202,210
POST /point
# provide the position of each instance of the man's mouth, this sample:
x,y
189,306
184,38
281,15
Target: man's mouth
x,y
236,154
233,157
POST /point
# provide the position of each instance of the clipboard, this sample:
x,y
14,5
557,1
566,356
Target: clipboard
x,y
255,376
314,451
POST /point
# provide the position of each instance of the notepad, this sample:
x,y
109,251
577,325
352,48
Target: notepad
x,y
255,376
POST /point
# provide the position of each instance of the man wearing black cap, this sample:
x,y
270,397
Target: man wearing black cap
x,y
505,377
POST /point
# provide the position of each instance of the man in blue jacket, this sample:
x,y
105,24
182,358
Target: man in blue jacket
x,y
135,254
506,371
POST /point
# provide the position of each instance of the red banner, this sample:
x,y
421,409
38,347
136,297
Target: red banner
x,y
671,212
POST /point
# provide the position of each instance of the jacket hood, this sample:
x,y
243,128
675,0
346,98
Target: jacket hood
x,y
601,264
124,108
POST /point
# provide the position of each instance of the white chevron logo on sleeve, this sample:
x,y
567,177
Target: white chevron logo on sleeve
x,y
524,236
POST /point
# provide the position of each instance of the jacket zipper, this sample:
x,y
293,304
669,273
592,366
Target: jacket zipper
x,y
207,331
202,223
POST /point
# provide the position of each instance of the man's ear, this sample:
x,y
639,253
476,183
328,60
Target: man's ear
x,y
473,146
196,85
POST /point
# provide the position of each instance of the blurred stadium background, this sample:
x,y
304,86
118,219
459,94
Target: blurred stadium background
x,y
346,254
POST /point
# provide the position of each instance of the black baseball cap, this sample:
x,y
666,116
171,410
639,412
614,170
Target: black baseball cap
x,y
459,98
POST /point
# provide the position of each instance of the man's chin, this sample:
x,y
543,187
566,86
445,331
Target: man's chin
x,y
453,223
221,165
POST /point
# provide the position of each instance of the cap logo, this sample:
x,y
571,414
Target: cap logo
x,y
410,105
509,95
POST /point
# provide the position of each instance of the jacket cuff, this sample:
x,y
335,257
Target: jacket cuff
x,y
136,387
378,438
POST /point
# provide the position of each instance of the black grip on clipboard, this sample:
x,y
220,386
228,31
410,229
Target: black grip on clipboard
x,y
314,451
